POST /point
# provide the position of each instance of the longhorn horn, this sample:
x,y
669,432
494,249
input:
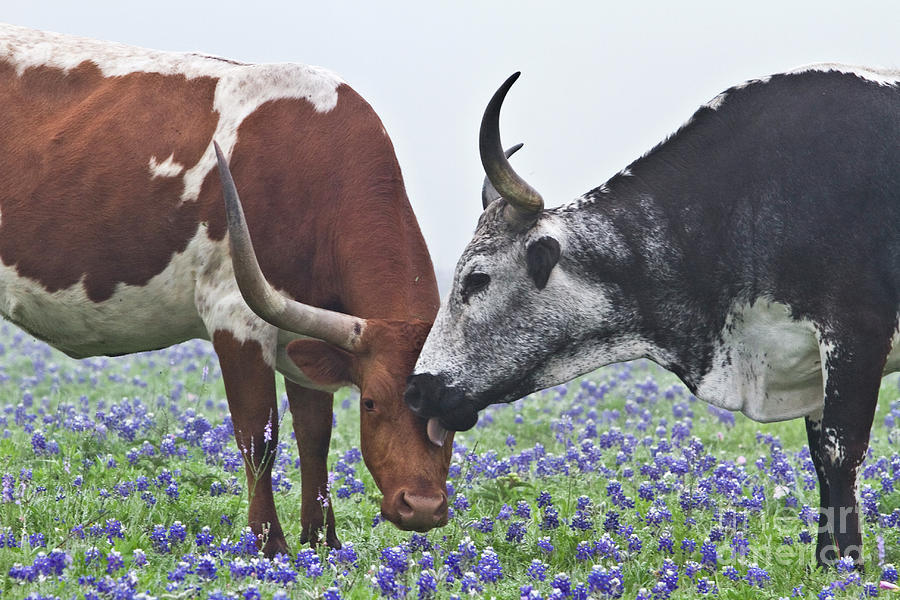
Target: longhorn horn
x,y
488,192
520,196
343,331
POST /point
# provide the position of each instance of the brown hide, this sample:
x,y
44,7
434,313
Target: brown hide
x,y
76,193
323,192
326,207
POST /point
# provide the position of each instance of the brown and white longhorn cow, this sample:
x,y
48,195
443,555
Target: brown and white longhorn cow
x,y
113,239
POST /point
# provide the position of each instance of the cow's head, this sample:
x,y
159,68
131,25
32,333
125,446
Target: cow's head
x,y
376,355
509,323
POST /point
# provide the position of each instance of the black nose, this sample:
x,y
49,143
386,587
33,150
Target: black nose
x,y
428,395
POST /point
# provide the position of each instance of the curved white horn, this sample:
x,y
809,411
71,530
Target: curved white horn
x,y
344,331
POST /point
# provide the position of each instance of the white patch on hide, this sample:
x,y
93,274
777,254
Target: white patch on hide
x,y
886,77
766,365
834,450
717,101
166,168
129,321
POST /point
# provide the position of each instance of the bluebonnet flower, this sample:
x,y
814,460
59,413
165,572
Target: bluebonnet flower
x,y
38,442
453,562
581,520
739,545
889,573
426,561
611,521
332,593
705,586
346,555
757,577
709,555
387,584
159,538
470,583
537,569
177,533
426,585
309,560
488,568
562,583
551,518
204,537
544,500
396,558
139,558
484,525
523,510
114,562
584,551
545,545
205,567
515,532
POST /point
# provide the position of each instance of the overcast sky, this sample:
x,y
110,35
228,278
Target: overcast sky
x,y
601,82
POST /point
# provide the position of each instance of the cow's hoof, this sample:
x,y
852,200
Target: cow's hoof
x,y
274,547
333,542
313,540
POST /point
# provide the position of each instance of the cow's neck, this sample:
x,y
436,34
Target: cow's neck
x,y
677,285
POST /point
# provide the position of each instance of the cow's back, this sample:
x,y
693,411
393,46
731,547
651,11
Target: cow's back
x,y
110,210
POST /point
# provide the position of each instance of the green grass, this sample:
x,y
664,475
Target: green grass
x,y
55,383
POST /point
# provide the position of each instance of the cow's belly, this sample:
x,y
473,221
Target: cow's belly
x,y
136,318
767,365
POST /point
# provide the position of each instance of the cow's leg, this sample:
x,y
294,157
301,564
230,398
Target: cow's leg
x,y
852,378
312,414
825,549
250,387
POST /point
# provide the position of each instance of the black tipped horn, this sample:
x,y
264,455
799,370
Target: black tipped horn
x,y
521,196
488,192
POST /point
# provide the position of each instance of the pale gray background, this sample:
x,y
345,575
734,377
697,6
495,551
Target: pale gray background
x,y
602,82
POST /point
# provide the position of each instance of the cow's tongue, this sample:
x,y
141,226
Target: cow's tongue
x,y
437,433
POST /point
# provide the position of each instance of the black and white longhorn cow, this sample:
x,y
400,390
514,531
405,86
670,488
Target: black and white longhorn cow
x,y
755,253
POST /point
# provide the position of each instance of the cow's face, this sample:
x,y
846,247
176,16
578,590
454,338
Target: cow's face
x,y
513,322
507,315
409,470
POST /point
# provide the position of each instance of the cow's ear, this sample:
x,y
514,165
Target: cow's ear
x,y
324,364
541,256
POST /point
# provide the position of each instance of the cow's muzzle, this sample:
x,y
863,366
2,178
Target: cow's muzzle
x,y
431,397
412,511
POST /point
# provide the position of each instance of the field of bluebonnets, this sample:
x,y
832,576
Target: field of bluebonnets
x,y
120,479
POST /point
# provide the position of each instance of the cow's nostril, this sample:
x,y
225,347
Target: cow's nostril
x,y
421,513
413,395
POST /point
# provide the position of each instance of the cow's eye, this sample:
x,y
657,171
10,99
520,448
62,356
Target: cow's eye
x,y
473,283
369,404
